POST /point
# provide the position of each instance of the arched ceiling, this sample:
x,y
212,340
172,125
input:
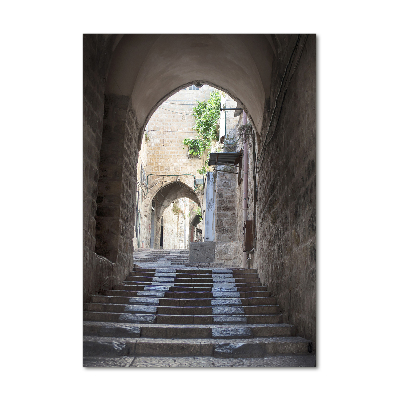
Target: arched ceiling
x,y
149,68
173,191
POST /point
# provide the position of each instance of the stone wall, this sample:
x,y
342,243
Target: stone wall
x,y
117,187
132,143
110,145
109,185
97,50
170,124
227,242
286,208
142,214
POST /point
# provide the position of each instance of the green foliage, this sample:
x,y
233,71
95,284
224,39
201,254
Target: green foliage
x,y
203,169
206,114
196,146
198,212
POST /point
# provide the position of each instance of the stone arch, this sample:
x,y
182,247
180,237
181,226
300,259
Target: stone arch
x,y
164,197
143,71
149,68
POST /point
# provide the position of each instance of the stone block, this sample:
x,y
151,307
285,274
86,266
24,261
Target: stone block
x,y
202,252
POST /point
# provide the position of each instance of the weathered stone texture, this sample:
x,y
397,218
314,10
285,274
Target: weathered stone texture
x,y
228,253
202,252
96,58
228,246
128,193
110,146
286,208
116,191
110,179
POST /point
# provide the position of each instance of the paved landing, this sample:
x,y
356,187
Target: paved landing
x,y
202,362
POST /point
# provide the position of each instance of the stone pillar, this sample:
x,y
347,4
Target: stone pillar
x,y
152,230
228,248
209,220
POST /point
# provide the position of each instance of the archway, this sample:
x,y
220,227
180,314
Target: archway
x,y
163,198
144,70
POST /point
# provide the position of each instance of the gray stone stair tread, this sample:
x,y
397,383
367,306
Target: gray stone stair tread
x,y
274,339
193,331
205,326
155,300
223,348
206,362
143,315
217,308
285,361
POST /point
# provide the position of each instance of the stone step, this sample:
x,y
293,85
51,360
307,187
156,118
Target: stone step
x,y
193,285
164,286
215,288
185,331
215,294
171,310
132,280
270,361
214,302
183,302
216,319
187,295
222,348
191,311
189,273
177,287
152,318
200,272
189,279
210,285
161,256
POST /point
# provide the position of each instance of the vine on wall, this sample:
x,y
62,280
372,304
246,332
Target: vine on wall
x,y
206,114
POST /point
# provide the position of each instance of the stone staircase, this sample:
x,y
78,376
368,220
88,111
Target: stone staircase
x,y
161,257
190,316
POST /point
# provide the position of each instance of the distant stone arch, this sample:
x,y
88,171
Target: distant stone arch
x,y
163,198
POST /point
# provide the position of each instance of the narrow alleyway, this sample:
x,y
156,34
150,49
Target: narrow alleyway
x,y
169,313
254,208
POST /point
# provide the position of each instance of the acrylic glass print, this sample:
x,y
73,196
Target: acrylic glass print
x,y
199,200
